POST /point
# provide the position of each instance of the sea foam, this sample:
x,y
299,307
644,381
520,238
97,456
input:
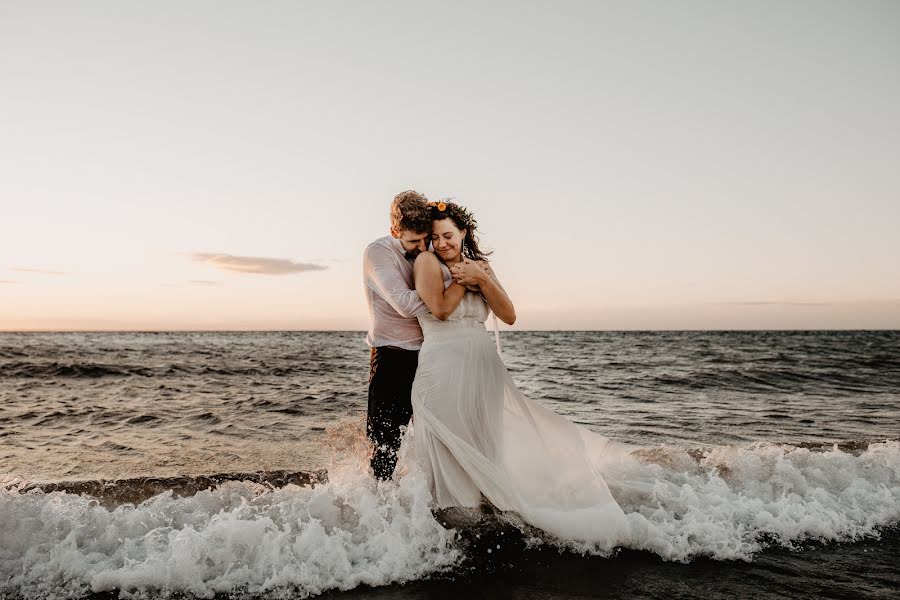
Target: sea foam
x,y
735,501
241,538
726,503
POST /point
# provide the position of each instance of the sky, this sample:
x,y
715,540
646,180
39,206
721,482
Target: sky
x,y
633,165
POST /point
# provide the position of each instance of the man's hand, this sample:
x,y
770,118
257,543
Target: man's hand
x,y
469,273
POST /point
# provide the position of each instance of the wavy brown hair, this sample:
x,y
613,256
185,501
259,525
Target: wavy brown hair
x,y
410,211
463,219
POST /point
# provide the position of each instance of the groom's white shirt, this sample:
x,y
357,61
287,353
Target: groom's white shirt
x,y
393,303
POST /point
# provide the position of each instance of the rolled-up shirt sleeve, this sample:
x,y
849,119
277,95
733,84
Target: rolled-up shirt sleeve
x,y
386,280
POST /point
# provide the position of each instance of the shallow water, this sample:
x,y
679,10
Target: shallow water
x,y
778,450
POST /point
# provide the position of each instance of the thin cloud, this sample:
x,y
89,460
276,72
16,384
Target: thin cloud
x,y
193,283
8,282
257,265
43,271
332,260
205,283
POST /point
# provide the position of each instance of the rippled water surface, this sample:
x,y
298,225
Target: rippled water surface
x,y
763,443
75,405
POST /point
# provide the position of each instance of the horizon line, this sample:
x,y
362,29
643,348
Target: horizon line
x,y
675,330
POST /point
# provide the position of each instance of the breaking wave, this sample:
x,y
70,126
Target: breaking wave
x,y
284,534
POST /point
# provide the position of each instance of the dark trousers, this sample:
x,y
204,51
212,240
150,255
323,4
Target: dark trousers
x,y
391,374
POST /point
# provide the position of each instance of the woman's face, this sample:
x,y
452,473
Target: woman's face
x,y
447,240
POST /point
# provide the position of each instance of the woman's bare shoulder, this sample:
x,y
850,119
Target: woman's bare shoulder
x,y
426,260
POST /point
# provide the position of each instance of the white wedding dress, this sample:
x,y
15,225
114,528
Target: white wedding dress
x,y
475,434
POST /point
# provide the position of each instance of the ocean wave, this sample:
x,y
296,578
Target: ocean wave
x,y
282,534
240,537
135,490
731,502
774,379
52,370
94,370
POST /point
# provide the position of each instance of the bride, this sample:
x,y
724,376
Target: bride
x,y
474,433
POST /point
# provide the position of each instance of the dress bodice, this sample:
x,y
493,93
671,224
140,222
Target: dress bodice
x,y
472,311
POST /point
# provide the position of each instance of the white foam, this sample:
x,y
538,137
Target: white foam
x,y
287,542
738,500
299,542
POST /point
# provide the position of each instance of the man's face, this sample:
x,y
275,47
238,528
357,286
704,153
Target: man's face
x,y
413,243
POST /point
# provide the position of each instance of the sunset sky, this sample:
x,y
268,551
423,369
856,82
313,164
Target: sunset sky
x,y
634,165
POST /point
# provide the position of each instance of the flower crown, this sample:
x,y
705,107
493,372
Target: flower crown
x,y
458,211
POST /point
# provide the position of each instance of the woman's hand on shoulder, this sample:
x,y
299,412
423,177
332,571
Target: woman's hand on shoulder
x,y
468,272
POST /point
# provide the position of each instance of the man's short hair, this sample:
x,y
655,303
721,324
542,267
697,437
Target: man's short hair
x,y
410,211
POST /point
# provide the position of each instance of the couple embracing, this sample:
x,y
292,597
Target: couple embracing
x,y
430,290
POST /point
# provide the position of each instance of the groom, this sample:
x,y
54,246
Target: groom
x,y
395,336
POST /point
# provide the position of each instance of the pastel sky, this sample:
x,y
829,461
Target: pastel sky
x,y
634,164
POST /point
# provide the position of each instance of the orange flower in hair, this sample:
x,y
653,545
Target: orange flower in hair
x,y
441,206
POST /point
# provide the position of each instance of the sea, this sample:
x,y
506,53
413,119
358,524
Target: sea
x,y
234,465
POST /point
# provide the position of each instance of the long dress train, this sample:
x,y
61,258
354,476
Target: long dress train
x,y
475,433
